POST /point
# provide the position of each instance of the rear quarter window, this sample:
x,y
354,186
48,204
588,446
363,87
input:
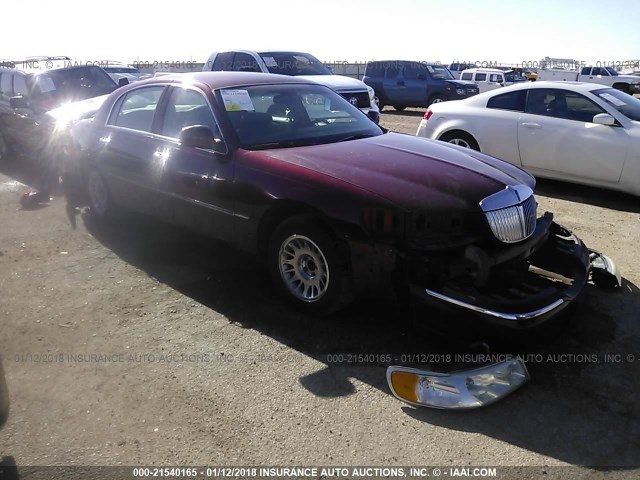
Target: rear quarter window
x,y
467,76
514,101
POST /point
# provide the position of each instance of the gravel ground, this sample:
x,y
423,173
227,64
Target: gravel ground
x,y
131,343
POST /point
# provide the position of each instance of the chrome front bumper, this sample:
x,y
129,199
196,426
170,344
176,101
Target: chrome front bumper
x,y
559,271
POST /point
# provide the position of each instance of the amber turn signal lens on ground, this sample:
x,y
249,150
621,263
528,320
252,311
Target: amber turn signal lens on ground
x,y
463,389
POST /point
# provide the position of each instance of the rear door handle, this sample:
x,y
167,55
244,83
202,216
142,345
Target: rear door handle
x,y
531,125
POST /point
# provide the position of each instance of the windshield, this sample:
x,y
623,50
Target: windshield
x,y
513,76
292,63
624,103
612,71
71,84
121,70
440,72
281,116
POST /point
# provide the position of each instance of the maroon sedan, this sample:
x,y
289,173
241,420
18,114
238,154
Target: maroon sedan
x,y
336,206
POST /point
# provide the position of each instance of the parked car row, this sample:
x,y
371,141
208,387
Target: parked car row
x,y
578,132
295,172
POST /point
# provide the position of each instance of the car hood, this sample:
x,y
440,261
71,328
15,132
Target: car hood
x,y
461,83
628,78
72,111
413,173
336,82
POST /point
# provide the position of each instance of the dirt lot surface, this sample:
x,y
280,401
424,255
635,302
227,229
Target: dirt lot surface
x,y
130,343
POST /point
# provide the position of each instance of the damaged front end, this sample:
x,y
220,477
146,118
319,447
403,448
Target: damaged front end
x,y
525,271
532,270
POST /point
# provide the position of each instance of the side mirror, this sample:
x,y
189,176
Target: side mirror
x,y
604,119
123,81
19,102
201,136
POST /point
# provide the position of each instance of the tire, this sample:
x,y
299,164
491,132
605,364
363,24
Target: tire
x,y
309,267
380,103
437,98
98,195
399,108
462,139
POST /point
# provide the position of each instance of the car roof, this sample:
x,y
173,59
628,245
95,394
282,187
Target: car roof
x,y
215,80
425,62
580,87
480,69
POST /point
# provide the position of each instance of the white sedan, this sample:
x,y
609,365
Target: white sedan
x,y
577,132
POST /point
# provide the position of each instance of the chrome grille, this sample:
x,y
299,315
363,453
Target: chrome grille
x,y
515,222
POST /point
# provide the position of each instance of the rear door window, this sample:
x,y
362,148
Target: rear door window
x,y
481,77
393,69
415,71
223,62
243,62
137,109
187,108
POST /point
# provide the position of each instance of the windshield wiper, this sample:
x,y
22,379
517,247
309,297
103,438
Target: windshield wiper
x,y
357,137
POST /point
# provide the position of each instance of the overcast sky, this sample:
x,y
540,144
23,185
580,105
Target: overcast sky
x,y
332,30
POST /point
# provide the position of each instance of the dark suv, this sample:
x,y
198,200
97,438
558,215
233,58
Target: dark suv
x,y
404,84
29,89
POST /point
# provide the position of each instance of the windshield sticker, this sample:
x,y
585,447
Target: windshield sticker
x,y
270,61
235,100
611,99
46,84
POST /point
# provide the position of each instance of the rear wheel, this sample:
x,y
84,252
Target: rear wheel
x,y
309,267
461,139
380,103
98,195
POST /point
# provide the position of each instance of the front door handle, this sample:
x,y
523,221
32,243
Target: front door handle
x,y
531,125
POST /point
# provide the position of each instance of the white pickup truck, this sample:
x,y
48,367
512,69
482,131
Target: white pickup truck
x,y
604,75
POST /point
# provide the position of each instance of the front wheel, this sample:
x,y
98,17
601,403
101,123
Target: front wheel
x,y
98,195
309,267
437,98
399,108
